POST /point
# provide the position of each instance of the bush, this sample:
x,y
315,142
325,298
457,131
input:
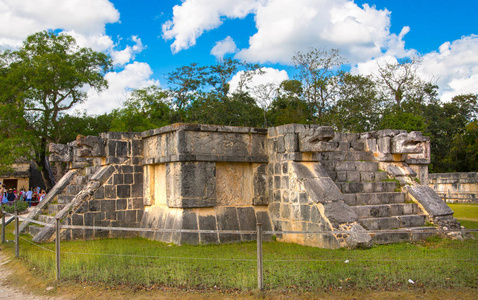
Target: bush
x,y
21,206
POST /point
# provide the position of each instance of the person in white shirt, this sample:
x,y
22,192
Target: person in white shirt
x,y
29,196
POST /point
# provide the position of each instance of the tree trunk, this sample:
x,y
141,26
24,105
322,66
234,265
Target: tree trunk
x,y
44,165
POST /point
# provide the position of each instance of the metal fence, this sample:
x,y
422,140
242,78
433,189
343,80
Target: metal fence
x,y
296,275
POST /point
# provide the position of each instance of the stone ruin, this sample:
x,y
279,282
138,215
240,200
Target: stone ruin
x,y
305,182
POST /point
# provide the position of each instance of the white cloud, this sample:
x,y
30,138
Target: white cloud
x,y
84,20
224,47
18,19
454,66
285,27
260,83
193,17
124,56
134,76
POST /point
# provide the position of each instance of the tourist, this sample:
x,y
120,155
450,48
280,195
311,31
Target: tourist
x,y
3,194
35,197
10,196
22,194
42,195
29,196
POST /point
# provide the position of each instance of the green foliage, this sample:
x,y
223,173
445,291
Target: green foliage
x,y
402,120
21,206
358,105
147,108
288,107
42,80
83,124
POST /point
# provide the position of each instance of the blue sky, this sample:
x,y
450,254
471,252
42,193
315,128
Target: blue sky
x,y
148,39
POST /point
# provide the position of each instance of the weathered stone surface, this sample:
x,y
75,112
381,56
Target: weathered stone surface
x,y
90,146
412,142
429,200
191,184
358,237
59,153
320,189
339,212
316,140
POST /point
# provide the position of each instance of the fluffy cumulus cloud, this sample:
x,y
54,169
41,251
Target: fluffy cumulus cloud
x,y
84,20
261,85
124,56
284,27
18,19
133,76
224,47
454,66
193,17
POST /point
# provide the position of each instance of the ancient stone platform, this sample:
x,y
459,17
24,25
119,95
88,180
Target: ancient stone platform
x,y
305,183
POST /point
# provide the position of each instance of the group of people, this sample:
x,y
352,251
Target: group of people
x,y
32,196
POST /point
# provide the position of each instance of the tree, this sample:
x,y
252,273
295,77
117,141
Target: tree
x,y
47,76
358,106
464,151
185,81
145,109
399,82
289,107
448,122
317,71
83,124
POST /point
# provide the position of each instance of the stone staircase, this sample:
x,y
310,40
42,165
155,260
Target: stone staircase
x,y
376,199
76,185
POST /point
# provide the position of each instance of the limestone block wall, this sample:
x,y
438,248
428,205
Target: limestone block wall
x,y
19,178
303,196
455,186
108,189
204,177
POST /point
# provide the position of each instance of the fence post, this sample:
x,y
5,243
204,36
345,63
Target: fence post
x,y
260,278
57,249
3,228
17,246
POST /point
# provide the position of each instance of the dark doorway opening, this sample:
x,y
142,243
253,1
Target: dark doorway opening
x,y
11,183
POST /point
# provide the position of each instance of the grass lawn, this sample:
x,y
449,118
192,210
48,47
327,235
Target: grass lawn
x,y
467,213
141,264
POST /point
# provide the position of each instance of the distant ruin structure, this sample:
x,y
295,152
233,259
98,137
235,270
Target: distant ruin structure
x,y
303,179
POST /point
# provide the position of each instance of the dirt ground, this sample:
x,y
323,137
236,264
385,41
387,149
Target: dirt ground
x,y
12,291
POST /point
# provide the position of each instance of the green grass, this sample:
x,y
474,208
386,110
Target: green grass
x,y
467,214
465,211
138,262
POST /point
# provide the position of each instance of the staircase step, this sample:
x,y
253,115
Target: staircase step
x,y
367,187
412,235
81,180
394,222
374,198
64,199
359,176
54,208
385,210
45,218
33,230
336,156
74,189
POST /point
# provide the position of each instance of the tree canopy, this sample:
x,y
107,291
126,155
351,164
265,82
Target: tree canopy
x,y
48,75
43,79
